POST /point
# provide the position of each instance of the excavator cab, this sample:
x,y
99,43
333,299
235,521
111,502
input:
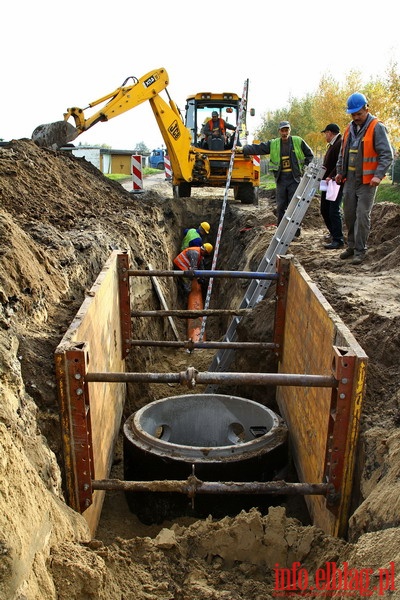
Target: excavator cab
x,y
199,109
212,158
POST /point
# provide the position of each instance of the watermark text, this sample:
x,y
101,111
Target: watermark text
x,y
329,579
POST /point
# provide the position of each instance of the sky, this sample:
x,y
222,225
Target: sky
x,y
56,55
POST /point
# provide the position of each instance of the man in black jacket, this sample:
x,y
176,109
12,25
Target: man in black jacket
x,y
330,209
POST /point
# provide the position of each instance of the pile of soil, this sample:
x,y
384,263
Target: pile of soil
x,y
59,220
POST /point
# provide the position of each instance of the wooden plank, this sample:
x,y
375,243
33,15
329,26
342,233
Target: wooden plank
x,y
163,302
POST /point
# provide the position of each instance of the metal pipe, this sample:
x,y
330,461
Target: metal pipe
x,y
192,314
193,486
191,345
204,274
191,377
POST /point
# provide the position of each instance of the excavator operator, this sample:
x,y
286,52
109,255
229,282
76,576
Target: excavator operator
x,y
215,129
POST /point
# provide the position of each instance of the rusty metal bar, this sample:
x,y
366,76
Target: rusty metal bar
x,y
198,273
193,486
76,426
192,345
190,377
337,460
190,314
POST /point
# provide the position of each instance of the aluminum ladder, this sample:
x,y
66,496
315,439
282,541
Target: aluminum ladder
x,y
284,235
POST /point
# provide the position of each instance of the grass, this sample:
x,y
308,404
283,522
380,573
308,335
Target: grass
x,y
387,191
267,182
121,176
116,176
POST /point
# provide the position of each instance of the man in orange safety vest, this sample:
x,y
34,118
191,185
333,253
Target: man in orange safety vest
x,y
216,128
192,258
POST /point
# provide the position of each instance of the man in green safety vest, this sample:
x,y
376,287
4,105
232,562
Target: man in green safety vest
x,y
195,237
289,155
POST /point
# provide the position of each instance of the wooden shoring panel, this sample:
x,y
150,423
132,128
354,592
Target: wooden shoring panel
x,y
96,330
124,302
312,332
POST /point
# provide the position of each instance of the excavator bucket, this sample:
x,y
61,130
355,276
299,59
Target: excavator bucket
x,y
54,135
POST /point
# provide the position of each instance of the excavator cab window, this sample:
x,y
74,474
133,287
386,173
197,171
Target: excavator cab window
x,y
190,120
199,113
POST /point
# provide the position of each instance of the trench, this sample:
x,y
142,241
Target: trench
x,y
318,368
238,252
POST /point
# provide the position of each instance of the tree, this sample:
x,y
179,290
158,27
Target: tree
x,y
309,115
141,148
393,86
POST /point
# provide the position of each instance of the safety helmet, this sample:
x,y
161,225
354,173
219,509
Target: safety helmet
x,y
206,226
356,102
208,247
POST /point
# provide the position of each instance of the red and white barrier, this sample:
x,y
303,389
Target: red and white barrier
x,y
137,173
167,167
256,160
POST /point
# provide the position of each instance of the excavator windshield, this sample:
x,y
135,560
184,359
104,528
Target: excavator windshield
x,y
199,111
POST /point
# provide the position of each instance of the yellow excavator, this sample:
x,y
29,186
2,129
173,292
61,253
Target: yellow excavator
x,y
193,165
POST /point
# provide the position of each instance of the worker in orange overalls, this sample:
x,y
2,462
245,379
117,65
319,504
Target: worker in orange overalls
x,y
191,258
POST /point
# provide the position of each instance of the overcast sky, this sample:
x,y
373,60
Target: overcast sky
x,y
59,54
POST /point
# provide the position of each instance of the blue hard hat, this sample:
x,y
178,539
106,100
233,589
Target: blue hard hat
x,y
356,102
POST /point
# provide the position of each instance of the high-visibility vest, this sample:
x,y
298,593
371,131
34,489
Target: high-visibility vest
x,y
370,156
275,152
221,125
191,234
183,262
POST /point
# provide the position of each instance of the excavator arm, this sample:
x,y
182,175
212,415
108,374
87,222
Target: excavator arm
x,y
192,165
122,99
177,137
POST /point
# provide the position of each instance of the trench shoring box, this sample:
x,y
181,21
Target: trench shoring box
x,y
323,422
